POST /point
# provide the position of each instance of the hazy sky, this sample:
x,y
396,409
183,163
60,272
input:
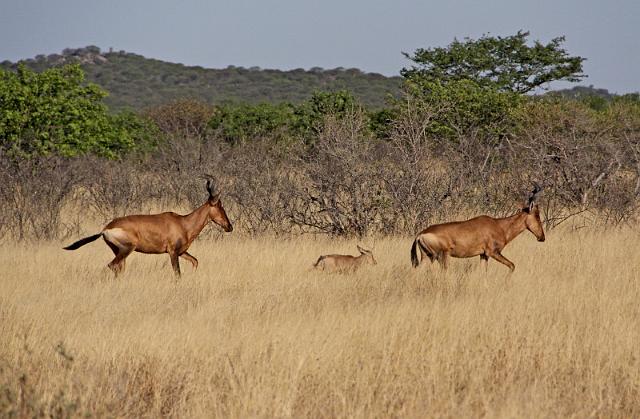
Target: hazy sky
x,y
287,34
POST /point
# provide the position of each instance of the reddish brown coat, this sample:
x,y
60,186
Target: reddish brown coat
x,y
482,236
159,233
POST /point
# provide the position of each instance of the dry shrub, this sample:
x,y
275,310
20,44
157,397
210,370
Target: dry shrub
x,y
345,181
33,193
586,160
341,193
182,119
262,178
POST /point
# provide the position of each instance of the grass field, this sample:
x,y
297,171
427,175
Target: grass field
x,y
254,333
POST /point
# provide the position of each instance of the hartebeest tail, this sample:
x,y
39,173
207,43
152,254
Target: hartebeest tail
x,y
414,254
482,236
417,244
159,233
82,242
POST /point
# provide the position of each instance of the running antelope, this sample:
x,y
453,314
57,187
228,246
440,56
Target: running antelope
x,y
159,233
482,236
345,263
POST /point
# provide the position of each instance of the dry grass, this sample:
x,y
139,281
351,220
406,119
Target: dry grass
x,y
253,333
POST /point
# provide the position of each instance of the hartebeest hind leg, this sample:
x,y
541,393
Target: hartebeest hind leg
x,y
118,263
443,258
191,259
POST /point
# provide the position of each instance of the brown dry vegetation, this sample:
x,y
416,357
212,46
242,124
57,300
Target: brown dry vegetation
x,y
255,333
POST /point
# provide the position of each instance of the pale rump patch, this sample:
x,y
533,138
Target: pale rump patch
x,y
117,236
430,239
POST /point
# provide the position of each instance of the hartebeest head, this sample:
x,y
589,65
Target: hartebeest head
x,y
367,254
216,210
532,221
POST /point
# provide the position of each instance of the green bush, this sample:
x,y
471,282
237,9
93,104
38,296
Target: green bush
x,y
56,112
463,107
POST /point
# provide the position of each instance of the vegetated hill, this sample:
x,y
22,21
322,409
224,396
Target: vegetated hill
x,y
137,82
580,92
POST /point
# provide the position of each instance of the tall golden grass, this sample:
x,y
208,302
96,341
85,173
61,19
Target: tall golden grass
x,y
255,333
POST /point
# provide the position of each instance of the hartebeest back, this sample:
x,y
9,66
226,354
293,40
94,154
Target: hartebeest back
x,y
345,263
159,233
482,236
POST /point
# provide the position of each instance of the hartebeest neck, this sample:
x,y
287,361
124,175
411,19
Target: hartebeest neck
x,y
513,225
195,222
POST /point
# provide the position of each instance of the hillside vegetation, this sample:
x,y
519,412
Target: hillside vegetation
x,y
136,82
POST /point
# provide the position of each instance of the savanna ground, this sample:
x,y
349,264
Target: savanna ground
x,y
254,333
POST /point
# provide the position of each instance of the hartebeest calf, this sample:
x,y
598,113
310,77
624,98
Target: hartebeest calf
x,y
482,236
345,263
159,233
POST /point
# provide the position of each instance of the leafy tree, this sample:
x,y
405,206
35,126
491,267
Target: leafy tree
x,y
311,112
463,106
56,112
380,121
130,128
245,122
503,63
285,121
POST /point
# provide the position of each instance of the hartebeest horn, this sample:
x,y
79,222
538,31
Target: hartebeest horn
x,y
212,188
536,190
209,188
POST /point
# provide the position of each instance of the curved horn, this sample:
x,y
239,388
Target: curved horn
x,y
209,187
536,190
362,249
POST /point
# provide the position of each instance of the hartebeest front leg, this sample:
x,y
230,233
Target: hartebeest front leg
x,y
191,259
484,261
498,256
175,263
444,260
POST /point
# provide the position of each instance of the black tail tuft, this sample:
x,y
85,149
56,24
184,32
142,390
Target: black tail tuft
x,y
82,242
414,253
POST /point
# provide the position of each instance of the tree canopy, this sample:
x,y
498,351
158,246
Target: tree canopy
x,y
57,112
504,63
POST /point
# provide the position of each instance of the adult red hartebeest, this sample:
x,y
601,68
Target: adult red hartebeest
x,y
159,233
482,236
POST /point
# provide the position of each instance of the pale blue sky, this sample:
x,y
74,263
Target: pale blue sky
x,y
287,34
